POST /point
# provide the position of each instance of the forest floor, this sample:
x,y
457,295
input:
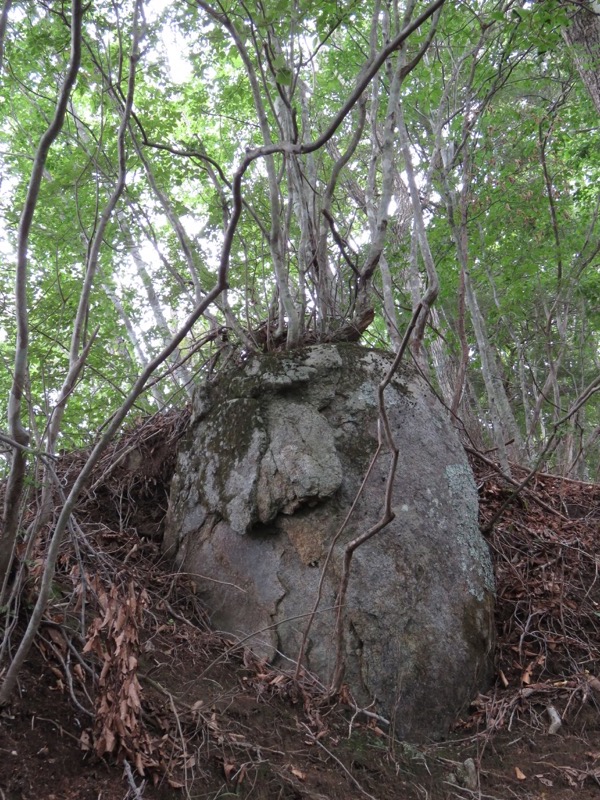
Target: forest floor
x,y
128,694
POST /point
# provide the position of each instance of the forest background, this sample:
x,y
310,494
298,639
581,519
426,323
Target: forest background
x,y
184,183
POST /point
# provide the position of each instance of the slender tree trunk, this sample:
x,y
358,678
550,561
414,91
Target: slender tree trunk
x,y
389,305
182,376
420,232
6,6
443,365
276,238
17,431
328,300
503,421
135,342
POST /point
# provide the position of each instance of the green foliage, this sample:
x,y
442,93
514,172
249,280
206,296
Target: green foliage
x,y
496,89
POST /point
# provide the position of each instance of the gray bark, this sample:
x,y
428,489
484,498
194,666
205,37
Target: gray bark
x,y
583,38
3,25
135,342
16,430
182,375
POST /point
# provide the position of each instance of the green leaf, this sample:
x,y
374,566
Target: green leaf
x,y
284,76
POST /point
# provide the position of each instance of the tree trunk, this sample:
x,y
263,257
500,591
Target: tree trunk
x,y
583,37
16,479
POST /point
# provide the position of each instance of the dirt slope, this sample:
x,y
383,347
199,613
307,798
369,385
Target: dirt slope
x,y
129,694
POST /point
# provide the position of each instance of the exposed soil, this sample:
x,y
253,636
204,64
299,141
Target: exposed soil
x,y
129,694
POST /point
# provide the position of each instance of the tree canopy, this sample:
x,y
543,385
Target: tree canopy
x,y
187,182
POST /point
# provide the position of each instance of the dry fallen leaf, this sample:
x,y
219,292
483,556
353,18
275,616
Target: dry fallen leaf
x,y
298,774
85,741
526,676
594,683
520,775
58,639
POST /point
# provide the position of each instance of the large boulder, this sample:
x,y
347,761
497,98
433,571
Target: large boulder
x,y
275,455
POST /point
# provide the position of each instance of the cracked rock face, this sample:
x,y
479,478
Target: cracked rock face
x,y
273,460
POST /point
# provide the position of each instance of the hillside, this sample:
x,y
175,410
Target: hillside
x,y
130,694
